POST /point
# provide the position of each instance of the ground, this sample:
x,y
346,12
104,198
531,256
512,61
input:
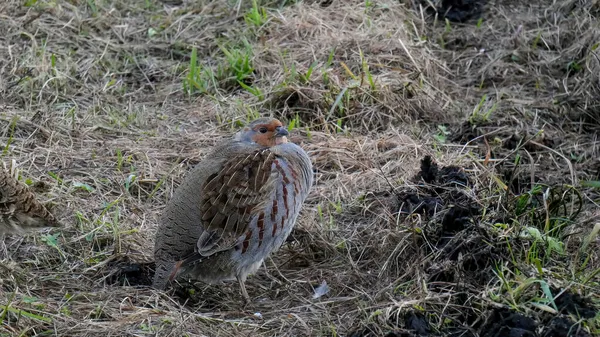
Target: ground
x,y
454,143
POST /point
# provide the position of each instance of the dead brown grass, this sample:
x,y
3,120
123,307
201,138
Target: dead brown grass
x,y
89,96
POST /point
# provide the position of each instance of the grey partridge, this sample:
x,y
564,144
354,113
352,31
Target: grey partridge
x,y
20,211
233,208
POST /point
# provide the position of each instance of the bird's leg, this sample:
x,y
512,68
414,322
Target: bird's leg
x,y
242,280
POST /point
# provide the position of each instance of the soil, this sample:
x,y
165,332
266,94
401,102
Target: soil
x,y
454,145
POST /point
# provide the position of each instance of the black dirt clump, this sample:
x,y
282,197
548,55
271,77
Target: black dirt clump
x,y
460,252
439,189
429,170
574,304
563,327
132,274
455,10
506,323
416,322
446,176
461,10
458,247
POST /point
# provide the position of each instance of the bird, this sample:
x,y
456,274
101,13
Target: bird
x,y
20,210
234,208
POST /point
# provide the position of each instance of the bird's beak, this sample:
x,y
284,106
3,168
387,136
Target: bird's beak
x,y
280,131
280,135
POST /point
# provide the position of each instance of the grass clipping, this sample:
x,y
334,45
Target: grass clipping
x,y
416,224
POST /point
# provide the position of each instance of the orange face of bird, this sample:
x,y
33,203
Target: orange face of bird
x,y
270,134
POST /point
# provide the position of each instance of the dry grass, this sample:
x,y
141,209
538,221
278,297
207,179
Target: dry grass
x,y
94,111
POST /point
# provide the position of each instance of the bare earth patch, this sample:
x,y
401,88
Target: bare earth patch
x,y
456,162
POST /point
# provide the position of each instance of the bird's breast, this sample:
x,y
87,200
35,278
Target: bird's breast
x,y
270,227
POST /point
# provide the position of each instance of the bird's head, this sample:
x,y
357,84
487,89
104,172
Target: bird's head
x,y
264,131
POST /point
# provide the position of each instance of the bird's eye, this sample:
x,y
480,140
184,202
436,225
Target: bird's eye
x,y
263,130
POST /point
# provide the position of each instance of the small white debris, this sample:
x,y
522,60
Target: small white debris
x,y
258,315
321,290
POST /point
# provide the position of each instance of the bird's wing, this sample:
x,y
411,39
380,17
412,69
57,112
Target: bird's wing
x,y
232,196
19,209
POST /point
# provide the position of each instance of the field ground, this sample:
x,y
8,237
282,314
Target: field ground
x,y
457,164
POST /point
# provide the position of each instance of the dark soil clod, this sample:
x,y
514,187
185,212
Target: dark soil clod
x,y
574,304
505,323
563,327
456,10
417,323
134,274
461,10
429,170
